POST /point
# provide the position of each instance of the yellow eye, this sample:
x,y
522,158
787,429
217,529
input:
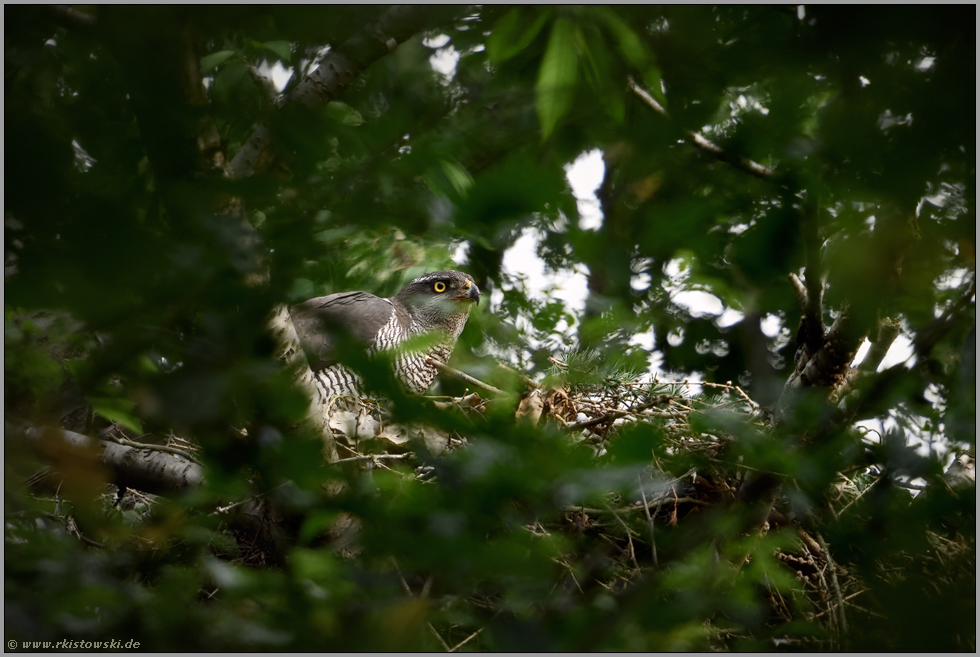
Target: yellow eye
x,y
439,287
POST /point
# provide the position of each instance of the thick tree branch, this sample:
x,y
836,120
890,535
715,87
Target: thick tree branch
x,y
888,330
336,73
71,17
829,364
813,326
147,470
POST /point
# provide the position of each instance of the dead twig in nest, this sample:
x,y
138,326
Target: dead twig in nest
x,y
157,448
466,378
373,457
840,600
646,509
629,536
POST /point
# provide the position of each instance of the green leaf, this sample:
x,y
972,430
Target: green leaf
x,y
629,45
512,33
213,60
283,49
117,410
458,176
555,88
344,113
634,51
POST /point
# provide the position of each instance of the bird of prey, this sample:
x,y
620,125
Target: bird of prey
x,y
436,304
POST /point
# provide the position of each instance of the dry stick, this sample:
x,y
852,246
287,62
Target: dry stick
x,y
611,415
460,644
629,536
72,528
827,611
705,145
840,600
378,463
859,496
225,509
528,381
631,509
373,457
646,508
158,448
571,573
463,376
408,590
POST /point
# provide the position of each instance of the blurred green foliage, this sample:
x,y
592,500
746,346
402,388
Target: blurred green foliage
x,y
127,287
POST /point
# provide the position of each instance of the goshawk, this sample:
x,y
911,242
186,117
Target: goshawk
x,y
437,303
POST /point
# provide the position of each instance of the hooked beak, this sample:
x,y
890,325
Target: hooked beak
x,y
472,293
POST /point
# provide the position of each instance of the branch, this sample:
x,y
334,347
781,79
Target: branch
x,y
336,73
706,145
646,509
842,633
463,376
632,509
829,365
612,415
813,326
142,469
264,84
373,457
800,290
922,346
525,379
68,16
888,330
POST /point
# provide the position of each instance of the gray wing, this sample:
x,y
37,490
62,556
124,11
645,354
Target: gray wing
x,y
319,321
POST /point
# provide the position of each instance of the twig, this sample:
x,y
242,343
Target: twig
x,y
225,509
373,457
859,496
632,509
159,448
704,144
460,644
748,399
611,415
408,590
72,528
629,536
646,509
840,600
463,376
528,381
444,644
827,611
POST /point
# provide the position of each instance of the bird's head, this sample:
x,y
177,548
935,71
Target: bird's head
x,y
440,298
